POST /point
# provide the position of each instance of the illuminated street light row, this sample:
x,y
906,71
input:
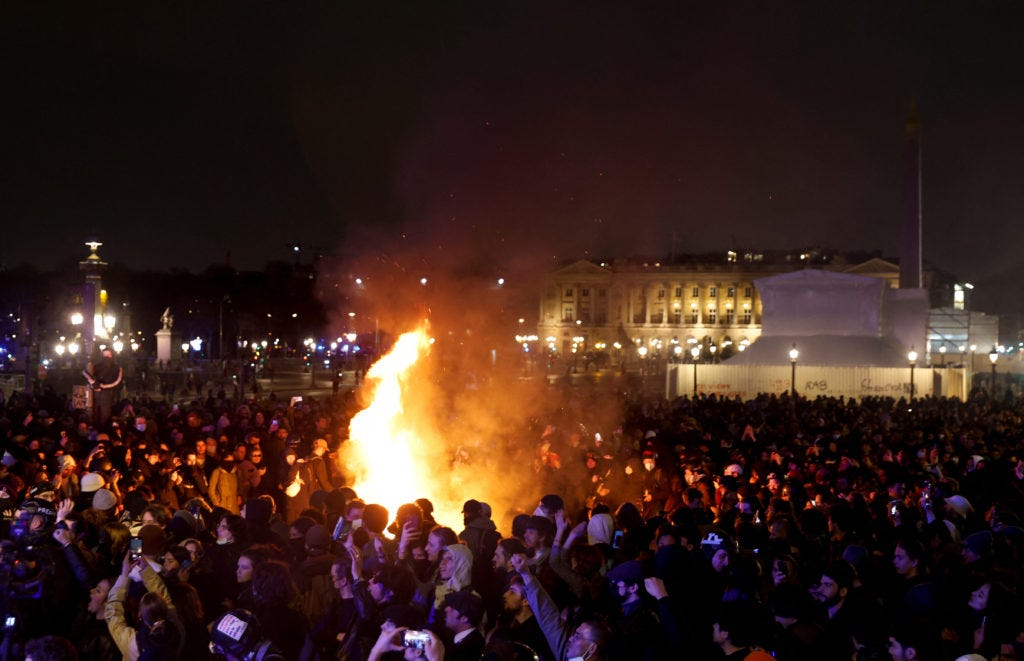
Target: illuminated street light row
x,y
423,281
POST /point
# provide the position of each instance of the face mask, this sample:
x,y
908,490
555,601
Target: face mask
x,y
222,542
583,657
648,466
141,426
357,524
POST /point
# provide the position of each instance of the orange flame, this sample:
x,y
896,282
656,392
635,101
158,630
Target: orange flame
x,y
389,453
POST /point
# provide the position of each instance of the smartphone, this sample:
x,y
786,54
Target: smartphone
x,y
295,400
415,639
342,530
135,549
617,540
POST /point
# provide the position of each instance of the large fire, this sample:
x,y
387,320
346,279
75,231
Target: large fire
x,y
393,456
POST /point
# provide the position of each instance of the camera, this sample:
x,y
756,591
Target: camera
x,y
415,639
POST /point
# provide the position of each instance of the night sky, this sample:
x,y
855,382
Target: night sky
x,y
176,132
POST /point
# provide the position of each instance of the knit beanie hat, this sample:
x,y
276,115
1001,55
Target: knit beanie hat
x,y
713,542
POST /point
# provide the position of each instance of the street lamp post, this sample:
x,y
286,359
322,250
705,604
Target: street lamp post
x,y
793,355
912,359
993,356
695,354
577,344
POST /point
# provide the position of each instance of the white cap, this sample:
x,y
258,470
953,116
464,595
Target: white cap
x,y
960,505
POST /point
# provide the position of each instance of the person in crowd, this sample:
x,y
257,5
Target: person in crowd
x,y
463,612
159,634
224,484
587,640
328,634
90,631
105,379
734,632
516,622
222,560
273,590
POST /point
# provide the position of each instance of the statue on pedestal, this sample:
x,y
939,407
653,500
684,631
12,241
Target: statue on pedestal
x,y
167,341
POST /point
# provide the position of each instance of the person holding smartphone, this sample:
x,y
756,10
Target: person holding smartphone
x,y
586,642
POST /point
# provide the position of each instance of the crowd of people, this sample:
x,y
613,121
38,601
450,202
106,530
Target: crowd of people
x,y
699,528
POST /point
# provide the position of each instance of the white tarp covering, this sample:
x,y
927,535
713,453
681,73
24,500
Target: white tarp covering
x,y
815,302
836,319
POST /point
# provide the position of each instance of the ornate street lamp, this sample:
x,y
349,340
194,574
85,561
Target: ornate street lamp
x,y
912,359
793,355
993,356
695,354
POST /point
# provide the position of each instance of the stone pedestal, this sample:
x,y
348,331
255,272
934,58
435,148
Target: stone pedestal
x,y
168,346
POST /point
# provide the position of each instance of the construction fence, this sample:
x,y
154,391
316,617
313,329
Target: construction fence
x,y
747,381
